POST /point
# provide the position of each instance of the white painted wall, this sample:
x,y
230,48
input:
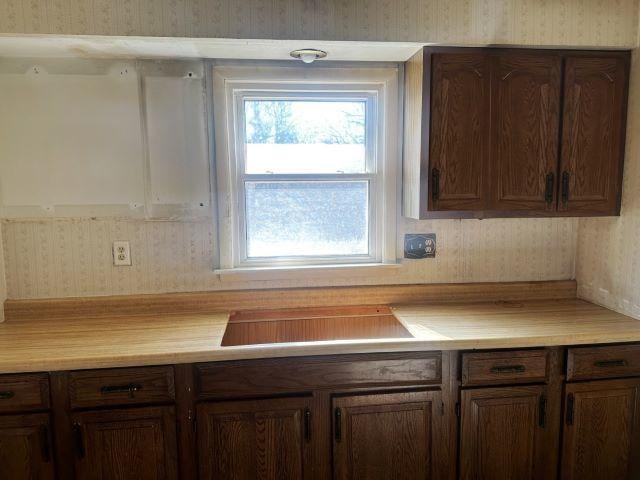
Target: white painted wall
x,y
3,284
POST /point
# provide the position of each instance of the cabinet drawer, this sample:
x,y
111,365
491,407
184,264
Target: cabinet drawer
x,y
24,392
584,363
121,386
268,376
499,368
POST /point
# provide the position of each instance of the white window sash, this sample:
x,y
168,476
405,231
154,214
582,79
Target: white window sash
x,y
377,87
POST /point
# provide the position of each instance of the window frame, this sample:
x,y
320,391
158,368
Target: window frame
x,y
377,86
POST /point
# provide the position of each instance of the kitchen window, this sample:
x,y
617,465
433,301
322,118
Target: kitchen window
x,y
306,163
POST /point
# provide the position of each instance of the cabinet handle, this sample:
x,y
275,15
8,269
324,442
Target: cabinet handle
x,y
78,440
542,411
570,406
508,369
565,186
435,183
610,363
44,444
130,388
548,191
307,424
337,414
6,395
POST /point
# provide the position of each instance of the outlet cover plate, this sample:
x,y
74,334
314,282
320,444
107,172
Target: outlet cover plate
x,y
419,245
121,253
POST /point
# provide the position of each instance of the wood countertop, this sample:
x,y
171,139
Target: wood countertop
x,y
48,344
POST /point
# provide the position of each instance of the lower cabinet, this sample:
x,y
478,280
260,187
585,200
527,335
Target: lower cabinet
x,y
602,430
255,439
378,437
25,447
134,443
504,434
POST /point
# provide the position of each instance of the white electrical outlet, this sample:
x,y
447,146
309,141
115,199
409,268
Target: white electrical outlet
x,y
121,253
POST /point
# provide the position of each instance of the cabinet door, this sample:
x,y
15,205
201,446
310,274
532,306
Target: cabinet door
x,y
593,133
459,137
25,447
255,440
136,444
526,115
505,435
602,430
378,437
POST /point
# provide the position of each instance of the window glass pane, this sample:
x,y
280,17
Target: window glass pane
x,y
321,218
305,136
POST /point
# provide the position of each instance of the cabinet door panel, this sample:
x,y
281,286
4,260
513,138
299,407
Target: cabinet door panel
x,y
255,440
526,113
504,435
386,436
137,444
25,447
595,96
602,430
459,137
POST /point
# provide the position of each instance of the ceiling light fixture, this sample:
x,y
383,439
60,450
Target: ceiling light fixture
x,y
308,55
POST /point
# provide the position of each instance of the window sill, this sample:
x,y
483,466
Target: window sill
x,y
306,271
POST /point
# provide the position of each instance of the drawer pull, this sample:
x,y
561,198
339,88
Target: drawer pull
x,y
610,363
508,369
307,425
337,423
6,395
130,388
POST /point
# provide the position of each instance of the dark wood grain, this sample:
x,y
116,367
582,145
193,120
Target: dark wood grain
x,y
24,392
588,363
505,367
602,436
136,443
61,413
387,436
593,126
255,440
502,436
526,116
312,324
274,376
98,388
26,447
186,416
460,122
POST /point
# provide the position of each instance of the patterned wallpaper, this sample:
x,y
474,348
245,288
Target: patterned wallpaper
x,y
542,22
56,258
53,258
608,258
3,285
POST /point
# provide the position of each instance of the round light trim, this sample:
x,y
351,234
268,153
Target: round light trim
x,y
308,55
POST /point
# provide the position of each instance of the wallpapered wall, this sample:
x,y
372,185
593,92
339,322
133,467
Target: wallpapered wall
x,y
52,258
562,22
608,259
47,258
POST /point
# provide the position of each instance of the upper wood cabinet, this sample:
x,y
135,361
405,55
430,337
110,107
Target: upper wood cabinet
x,y
493,133
524,142
593,134
459,147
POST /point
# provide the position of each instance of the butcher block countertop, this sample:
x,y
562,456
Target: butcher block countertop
x,y
57,342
